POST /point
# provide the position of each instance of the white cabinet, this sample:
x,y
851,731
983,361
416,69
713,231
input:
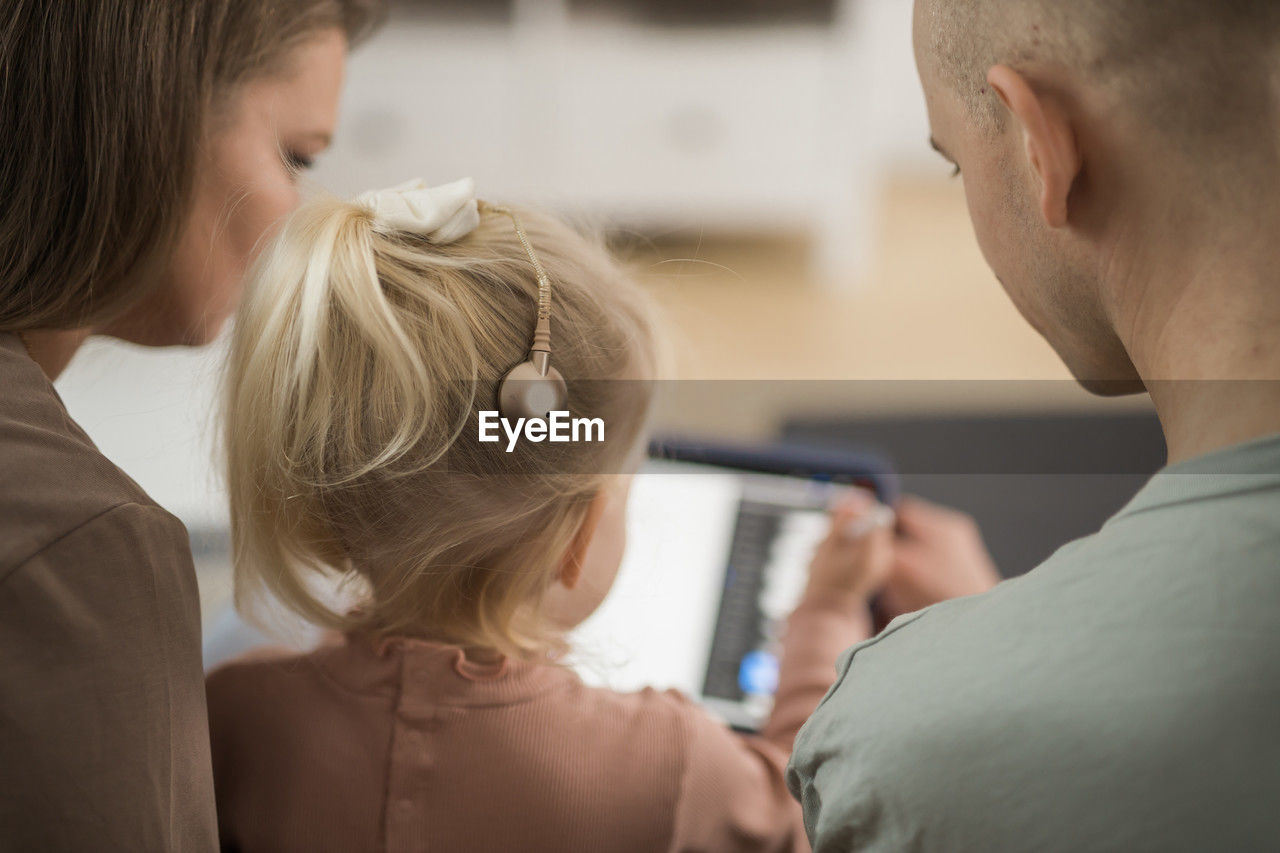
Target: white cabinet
x,y
655,128
687,131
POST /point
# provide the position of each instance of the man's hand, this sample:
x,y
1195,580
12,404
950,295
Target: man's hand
x,y
855,559
938,554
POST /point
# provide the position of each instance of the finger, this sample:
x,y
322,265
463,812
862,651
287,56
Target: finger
x,y
852,500
850,505
852,565
906,569
874,551
911,548
856,514
878,517
858,524
921,518
914,515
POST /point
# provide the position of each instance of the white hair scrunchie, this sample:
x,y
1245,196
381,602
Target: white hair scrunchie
x,y
442,214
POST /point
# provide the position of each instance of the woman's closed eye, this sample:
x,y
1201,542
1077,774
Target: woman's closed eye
x,y
298,163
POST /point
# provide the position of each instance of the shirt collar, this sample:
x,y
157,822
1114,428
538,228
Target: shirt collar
x,y
410,668
1249,467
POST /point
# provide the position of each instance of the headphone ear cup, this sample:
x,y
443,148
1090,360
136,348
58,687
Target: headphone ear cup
x,y
525,392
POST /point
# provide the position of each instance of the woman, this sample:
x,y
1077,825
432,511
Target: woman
x,y
149,147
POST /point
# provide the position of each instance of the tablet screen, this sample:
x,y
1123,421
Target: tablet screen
x,y
716,559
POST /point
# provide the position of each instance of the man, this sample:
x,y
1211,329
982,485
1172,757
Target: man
x,y
1121,160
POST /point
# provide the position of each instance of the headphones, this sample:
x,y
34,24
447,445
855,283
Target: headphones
x,y
533,388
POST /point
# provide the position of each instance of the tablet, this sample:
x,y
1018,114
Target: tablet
x,y
719,539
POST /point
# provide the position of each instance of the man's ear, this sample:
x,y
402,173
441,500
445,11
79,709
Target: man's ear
x,y
571,566
1050,140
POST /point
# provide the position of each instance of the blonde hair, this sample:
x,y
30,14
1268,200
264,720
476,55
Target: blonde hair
x,y
359,364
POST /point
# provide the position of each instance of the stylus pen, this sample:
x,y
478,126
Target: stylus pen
x,y
875,518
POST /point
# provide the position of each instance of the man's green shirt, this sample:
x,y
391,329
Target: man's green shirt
x,y
1125,695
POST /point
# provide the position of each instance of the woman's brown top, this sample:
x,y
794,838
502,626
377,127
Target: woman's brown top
x,y
103,729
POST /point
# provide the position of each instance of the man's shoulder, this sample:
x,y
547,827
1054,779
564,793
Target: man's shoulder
x,y
1090,635
1122,601
1187,571
1003,610
1084,678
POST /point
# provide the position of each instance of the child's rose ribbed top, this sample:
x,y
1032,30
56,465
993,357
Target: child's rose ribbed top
x,y
408,746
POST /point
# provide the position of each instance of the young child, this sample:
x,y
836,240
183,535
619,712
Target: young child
x,y
372,337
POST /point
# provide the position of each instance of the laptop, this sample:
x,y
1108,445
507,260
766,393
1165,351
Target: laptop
x,y
719,539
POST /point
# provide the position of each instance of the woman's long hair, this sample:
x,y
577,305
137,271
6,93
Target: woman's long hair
x,y
103,108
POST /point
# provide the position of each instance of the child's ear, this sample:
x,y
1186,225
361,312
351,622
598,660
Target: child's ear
x,y
571,566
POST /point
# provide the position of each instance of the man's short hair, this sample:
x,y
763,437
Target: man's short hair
x,y
1201,68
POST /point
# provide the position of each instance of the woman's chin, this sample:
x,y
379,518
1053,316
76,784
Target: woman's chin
x,y
204,332
153,330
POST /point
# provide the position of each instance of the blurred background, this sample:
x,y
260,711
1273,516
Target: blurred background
x,y
764,166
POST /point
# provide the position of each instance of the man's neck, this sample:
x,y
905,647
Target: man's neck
x,y
52,351
1201,416
1205,337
